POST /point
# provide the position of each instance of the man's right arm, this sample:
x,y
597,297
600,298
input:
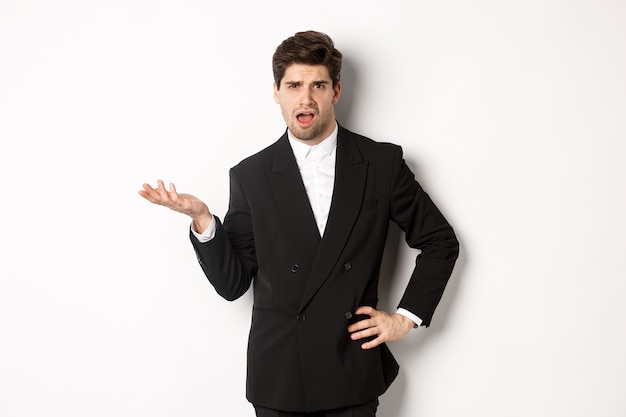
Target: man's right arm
x,y
229,271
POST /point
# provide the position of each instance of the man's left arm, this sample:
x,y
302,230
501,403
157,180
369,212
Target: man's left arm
x,y
425,229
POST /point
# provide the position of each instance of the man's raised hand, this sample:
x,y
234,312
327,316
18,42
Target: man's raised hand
x,y
182,203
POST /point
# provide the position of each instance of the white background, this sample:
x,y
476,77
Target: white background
x,y
512,115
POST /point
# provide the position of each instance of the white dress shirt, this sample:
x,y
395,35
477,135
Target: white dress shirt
x,y
317,169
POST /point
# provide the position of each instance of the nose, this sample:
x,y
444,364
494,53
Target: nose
x,y
306,99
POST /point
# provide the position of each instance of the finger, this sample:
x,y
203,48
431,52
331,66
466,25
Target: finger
x,y
161,187
147,189
361,325
377,337
162,192
367,310
369,332
147,196
372,343
173,193
149,193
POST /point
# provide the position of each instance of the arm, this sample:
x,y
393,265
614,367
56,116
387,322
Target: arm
x,y
229,259
229,273
425,229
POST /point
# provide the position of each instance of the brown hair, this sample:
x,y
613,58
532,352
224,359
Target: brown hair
x,y
310,48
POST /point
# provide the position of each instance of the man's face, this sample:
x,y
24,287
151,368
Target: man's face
x,y
306,97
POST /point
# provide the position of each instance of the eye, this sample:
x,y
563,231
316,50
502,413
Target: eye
x,y
319,85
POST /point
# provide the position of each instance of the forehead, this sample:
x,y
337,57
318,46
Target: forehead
x,y
303,72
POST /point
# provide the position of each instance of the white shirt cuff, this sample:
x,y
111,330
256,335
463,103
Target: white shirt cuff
x,y
208,234
410,315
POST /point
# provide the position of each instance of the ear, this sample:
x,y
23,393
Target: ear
x,y
276,97
337,93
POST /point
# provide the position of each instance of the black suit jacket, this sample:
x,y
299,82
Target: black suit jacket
x,y
306,288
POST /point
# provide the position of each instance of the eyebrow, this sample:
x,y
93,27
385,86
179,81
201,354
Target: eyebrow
x,y
312,82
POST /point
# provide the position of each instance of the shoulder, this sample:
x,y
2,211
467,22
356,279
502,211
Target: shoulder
x,y
369,148
262,158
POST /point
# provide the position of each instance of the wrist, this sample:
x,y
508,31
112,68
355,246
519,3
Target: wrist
x,y
406,322
202,222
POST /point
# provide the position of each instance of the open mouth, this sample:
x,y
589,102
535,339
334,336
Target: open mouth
x,y
305,118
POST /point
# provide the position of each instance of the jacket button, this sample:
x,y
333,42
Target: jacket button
x,y
295,268
348,315
300,317
347,266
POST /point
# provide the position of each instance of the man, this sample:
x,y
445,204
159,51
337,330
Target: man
x,y
307,223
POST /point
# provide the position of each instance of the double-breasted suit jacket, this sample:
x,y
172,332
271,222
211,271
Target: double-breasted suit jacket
x,y
307,287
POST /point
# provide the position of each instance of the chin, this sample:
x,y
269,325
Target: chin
x,y
310,134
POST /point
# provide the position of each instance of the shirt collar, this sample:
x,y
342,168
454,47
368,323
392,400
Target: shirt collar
x,y
301,150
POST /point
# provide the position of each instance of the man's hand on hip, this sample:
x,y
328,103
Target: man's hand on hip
x,y
384,326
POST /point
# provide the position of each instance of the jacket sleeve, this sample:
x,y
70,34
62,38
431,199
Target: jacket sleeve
x,y
425,229
229,259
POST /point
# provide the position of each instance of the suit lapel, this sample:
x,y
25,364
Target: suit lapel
x,y
292,199
350,176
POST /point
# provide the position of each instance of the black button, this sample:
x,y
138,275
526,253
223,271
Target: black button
x,y
348,315
295,268
300,317
347,266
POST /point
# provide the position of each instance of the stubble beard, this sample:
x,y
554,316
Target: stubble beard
x,y
310,133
